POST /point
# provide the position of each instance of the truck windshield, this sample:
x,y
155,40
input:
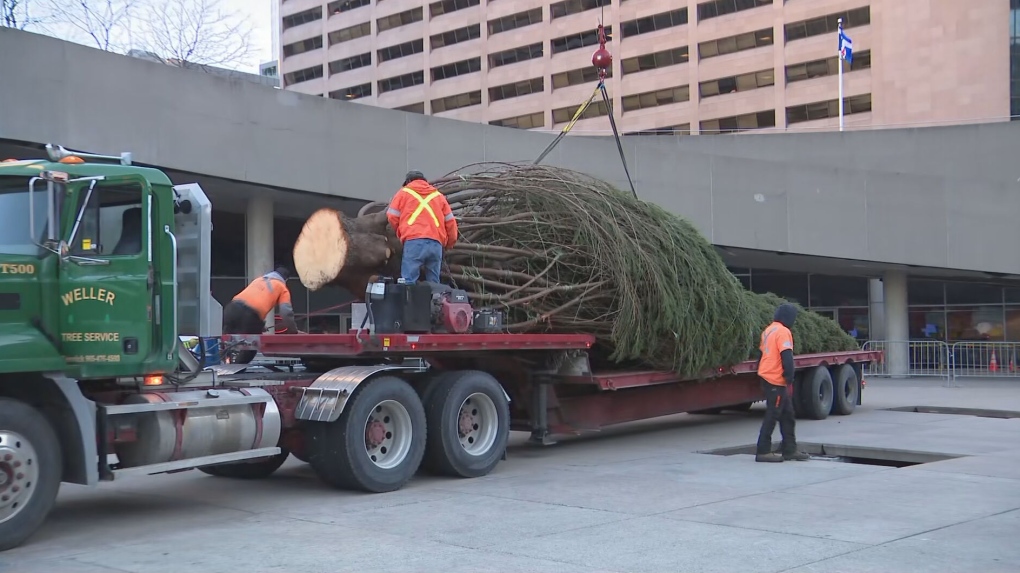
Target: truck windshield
x,y
15,238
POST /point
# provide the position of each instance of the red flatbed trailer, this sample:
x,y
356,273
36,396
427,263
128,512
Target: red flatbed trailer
x,y
574,398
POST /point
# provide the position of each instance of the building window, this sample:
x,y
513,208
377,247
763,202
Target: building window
x,y
527,121
565,114
304,75
745,122
514,21
656,98
826,67
447,6
741,83
303,46
1014,59
655,60
827,24
458,101
353,92
397,20
401,50
341,6
517,89
830,108
413,108
579,40
456,69
472,32
568,7
400,82
585,75
682,129
302,17
738,43
716,8
654,22
350,33
351,63
515,55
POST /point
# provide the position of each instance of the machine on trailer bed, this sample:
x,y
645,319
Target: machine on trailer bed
x,y
104,266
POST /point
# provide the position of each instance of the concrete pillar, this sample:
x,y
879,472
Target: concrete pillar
x,y
897,323
876,309
259,240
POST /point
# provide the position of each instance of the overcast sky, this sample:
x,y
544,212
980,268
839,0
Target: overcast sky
x,y
259,11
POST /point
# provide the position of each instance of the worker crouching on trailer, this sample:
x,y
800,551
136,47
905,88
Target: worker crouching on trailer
x,y
776,370
423,221
247,312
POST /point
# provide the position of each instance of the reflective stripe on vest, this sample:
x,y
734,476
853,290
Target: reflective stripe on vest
x,y
423,205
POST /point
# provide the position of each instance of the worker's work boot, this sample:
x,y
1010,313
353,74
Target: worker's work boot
x,y
796,457
770,457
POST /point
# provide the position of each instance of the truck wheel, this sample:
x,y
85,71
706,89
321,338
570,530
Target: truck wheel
x,y
256,469
798,402
31,466
845,388
378,442
816,393
469,425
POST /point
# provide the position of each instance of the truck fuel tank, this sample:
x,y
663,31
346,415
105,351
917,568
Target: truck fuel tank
x,y
203,429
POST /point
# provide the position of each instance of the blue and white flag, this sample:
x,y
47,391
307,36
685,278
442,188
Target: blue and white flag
x,y
846,47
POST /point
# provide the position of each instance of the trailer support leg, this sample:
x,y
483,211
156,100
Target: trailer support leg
x,y
540,416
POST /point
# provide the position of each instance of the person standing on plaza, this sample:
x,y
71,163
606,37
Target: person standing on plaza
x,y
776,370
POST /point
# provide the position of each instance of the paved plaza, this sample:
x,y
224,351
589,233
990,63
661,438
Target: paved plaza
x,y
641,497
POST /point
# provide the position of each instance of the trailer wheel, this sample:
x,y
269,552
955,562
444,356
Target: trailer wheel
x,y
816,393
469,425
378,442
798,402
845,388
31,466
255,469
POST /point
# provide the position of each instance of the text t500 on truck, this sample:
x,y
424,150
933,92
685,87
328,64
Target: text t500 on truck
x,y
105,265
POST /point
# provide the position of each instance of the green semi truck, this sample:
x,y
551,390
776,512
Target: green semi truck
x,y
105,266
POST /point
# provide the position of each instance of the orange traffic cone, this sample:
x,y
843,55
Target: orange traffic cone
x,y
993,364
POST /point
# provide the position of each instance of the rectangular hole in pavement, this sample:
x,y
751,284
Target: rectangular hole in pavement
x,y
977,412
849,454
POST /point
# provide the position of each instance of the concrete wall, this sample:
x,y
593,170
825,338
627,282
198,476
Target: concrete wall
x,y
942,197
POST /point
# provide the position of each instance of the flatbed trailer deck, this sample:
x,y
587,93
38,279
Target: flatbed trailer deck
x,y
571,397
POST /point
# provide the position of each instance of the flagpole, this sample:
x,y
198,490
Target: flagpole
x,y
839,57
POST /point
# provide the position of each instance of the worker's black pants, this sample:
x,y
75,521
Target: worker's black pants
x,y
239,318
778,407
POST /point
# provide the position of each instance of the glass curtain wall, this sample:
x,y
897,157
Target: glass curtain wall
x,y
963,312
843,299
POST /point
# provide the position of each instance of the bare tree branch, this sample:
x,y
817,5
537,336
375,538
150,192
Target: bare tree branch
x,y
15,14
198,33
106,24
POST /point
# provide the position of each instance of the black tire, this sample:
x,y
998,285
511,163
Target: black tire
x,y
338,453
845,389
32,427
816,393
255,469
444,453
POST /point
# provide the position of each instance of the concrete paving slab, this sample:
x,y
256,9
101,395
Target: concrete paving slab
x,y
466,520
655,544
839,515
990,466
635,498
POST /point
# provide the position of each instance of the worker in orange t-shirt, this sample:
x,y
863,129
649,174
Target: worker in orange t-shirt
x,y
247,312
776,370
424,223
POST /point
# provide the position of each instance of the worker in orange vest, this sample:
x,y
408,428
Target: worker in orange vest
x,y
425,225
776,370
247,312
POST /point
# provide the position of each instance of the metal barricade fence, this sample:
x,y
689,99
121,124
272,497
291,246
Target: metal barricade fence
x,y
921,358
986,359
